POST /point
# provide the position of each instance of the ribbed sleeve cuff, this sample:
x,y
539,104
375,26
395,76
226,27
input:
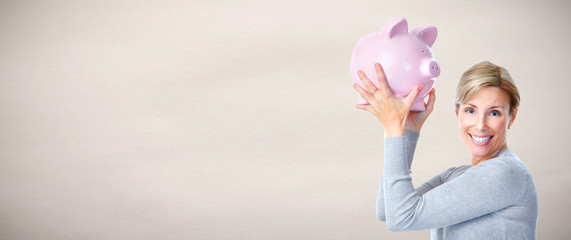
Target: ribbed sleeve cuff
x,y
395,156
411,137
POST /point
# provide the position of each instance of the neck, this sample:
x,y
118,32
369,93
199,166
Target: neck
x,y
476,161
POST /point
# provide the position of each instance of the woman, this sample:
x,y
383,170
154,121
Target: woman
x,y
493,198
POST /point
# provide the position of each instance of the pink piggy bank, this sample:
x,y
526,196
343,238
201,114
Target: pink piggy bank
x,y
406,59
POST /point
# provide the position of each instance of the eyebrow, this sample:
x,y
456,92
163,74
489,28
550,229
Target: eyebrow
x,y
492,107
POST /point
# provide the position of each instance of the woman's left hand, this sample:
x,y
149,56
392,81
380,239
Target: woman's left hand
x,y
391,111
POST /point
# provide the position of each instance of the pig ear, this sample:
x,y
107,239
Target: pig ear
x,y
426,34
394,27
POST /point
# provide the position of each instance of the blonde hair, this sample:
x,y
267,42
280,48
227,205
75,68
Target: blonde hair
x,y
486,74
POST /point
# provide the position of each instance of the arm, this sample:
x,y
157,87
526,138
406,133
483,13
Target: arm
x,y
396,114
488,187
411,138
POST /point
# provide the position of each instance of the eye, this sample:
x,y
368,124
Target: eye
x,y
469,110
495,114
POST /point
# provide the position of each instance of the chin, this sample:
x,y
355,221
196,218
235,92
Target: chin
x,y
487,151
480,150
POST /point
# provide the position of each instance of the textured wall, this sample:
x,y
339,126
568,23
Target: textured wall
x,y
236,119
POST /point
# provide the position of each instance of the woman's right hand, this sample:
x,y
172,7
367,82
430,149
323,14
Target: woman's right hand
x,y
415,120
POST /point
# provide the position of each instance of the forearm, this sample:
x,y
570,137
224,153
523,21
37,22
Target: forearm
x,y
411,139
397,183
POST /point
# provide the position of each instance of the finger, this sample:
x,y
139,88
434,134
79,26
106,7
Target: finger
x,y
366,95
367,108
412,95
431,99
368,84
384,85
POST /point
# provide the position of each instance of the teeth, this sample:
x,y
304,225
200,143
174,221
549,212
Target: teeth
x,y
481,139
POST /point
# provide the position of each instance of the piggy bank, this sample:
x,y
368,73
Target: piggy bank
x,y
406,59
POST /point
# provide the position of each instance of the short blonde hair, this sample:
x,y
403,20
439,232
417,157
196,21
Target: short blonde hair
x,y
486,74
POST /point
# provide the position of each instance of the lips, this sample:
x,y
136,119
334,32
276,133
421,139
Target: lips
x,y
481,140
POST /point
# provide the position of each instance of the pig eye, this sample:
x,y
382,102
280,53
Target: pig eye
x,y
422,50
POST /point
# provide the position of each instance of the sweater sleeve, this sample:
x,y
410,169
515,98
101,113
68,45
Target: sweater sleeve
x,y
485,188
411,138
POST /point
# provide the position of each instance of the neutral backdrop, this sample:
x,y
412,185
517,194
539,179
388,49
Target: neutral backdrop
x,y
237,119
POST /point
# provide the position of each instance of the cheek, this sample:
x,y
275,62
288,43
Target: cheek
x,y
464,122
500,126
460,123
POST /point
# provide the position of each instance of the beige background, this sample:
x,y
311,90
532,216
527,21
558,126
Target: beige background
x,y
236,119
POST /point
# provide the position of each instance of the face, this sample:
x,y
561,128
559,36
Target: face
x,y
483,121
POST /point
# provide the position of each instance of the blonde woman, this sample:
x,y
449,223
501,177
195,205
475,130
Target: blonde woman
x,y
494,197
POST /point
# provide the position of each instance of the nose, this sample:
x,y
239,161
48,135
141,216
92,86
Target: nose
x,y
481,125
434,69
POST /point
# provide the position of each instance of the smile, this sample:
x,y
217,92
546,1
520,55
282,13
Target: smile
x,y
481,140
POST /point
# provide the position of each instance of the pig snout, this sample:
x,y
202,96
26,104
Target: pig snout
x,y
432,68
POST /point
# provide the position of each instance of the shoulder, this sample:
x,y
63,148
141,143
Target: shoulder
x,y
506,163
506,169
453,172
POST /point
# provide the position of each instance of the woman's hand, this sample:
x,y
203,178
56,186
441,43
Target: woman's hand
x,y
415,119
393,113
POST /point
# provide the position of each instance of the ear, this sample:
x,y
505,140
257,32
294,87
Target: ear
x,y
456,109
394,27
512,118
426,33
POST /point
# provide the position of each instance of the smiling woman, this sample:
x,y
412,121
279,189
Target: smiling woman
x,y
494,198
486,105
483,121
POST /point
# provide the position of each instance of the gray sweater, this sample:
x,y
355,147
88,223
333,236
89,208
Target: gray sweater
x,y
495,199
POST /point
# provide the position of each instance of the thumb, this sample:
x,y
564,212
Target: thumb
x,y
431,98
413,94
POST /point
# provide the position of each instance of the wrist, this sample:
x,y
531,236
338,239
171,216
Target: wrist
x,y
396,131
413,128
